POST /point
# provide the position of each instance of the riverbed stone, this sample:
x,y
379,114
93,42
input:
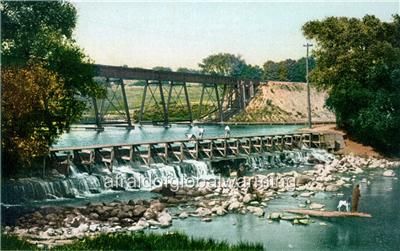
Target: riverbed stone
x,y
202,212
183,215
275,216
234,205
316,206
389,173
256,211
139,210
165,219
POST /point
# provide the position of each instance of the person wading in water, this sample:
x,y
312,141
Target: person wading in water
x,y
355,198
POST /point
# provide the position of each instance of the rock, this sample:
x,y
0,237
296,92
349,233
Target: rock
x,y
247,198
389,173
202,212
84,227
113,219
254,203
219,210
316,206
153,223
306,194
165,219
75,222
235,205
51,232
150,214
304,221
94,216
274,216
332,188
207,219
139,210
143,223
256,211
302,179
157,206
93,227
183,215
135,228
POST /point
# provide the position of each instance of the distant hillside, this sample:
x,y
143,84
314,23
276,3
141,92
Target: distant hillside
x,y
285,102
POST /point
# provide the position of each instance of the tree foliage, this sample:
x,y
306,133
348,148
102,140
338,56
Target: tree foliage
x,y
37,42
32,112
359,63
226,64
287,70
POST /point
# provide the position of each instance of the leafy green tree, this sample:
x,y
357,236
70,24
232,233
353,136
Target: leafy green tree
x,y
226,64
39,33
271,71
359,64
162,68
187,70
287,70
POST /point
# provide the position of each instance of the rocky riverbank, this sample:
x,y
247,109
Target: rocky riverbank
x,y
58,225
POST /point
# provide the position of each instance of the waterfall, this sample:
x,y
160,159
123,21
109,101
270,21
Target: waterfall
x,y
288,159
82,184
127,177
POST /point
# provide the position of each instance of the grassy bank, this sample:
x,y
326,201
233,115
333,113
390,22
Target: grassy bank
x,y
136,241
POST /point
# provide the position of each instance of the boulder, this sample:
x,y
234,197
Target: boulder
x,y
256,211
247,198
150,214
165,219
275,216
332,188
302,179
389,173
139,210
306,194
207,219
235,205
316,206
157,206
202,211
135,228
183,215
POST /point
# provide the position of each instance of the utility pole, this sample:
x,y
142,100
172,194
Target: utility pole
x,y
308,45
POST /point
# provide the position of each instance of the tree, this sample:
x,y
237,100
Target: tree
x,y
287,70
32,113
226,64
39,34
162,68
359,64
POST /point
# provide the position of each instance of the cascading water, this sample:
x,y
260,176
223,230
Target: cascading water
x,y
80,184
125,177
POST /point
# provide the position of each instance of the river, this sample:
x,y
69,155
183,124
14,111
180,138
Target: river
x,y
379,197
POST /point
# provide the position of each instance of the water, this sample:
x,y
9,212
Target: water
x,y
381,232
84,137
379,198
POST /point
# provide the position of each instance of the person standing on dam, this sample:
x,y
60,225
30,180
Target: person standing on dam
x,y
227,131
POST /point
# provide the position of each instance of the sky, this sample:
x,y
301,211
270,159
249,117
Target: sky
x,y
180,34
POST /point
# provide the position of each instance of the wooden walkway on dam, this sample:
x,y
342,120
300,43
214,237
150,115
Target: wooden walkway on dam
x,y
212,149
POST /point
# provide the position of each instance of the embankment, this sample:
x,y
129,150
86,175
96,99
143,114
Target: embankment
x,y
285,102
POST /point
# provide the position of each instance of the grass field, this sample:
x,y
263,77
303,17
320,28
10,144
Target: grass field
x,y
113,108
136,241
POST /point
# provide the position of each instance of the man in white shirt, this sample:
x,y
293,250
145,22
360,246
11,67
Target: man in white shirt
x,y
227,131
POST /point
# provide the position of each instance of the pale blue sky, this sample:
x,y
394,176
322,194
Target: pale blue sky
x,y
181,34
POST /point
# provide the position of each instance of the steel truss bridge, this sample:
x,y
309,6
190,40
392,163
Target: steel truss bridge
x,y
165,95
